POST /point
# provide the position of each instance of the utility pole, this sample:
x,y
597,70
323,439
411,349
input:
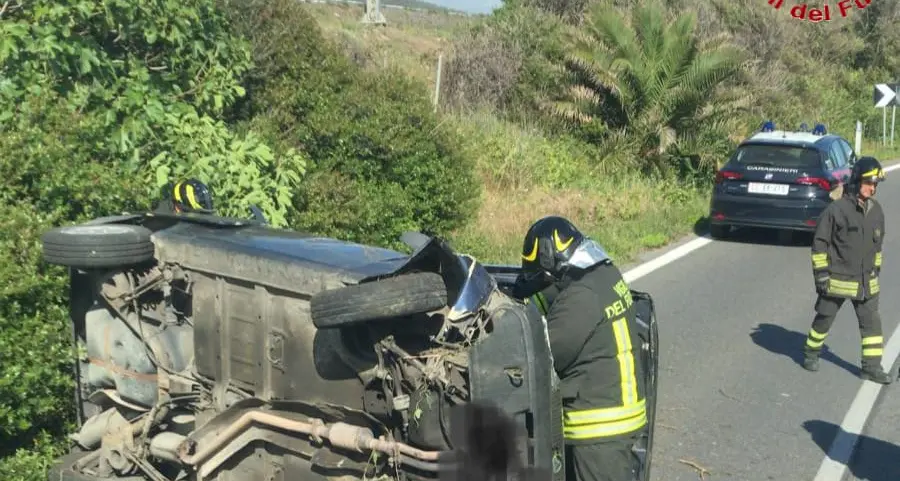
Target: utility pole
x,y
437,82
373,15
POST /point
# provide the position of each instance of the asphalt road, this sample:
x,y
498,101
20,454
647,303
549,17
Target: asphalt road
x,y
734,400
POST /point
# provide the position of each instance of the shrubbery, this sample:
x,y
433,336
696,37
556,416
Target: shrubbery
x,y
374,144
103,102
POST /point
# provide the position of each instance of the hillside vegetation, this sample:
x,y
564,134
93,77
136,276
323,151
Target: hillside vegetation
x,y
614,113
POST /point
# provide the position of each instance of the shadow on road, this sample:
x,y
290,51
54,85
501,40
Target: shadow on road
x,y
753,235
872,460
701,226
778,340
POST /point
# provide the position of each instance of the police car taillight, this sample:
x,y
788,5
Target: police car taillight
x,y
821,182
724,175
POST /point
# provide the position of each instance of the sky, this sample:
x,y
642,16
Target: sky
x,y
471,6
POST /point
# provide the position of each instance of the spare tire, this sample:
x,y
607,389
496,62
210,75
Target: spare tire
x,y
98,246
403,295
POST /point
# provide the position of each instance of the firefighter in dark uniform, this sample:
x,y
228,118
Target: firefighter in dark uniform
x,y
846,261
593,338
188,195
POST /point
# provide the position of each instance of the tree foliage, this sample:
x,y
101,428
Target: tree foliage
x,y
650,77
152,76
381,163
102,102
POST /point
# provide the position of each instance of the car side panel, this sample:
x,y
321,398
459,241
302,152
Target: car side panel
x,y
263,340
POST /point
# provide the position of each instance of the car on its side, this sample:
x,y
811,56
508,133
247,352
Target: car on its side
x,y
213,348
780,179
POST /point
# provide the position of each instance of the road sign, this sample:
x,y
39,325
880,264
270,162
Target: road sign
x,y
885,95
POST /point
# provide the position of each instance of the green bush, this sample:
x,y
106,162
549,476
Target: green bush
x,y
50,179
99,102
379,163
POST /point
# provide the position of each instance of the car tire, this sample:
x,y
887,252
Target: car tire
x,y
332,359
719,231
97,246
403,295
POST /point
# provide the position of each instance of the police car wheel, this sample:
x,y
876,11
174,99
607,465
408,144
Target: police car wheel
x,y
719,231
97,246
393,297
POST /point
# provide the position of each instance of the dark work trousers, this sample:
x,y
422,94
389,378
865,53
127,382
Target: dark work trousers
x,y
869,328
602,461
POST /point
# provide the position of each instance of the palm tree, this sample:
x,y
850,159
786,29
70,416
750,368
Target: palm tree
x,y
647,81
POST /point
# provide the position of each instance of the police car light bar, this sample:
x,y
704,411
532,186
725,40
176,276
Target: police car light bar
x,y
768,126
819,129
804,127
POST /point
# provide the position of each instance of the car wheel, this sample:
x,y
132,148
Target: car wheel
x,y
719,231
97,246
786,236
403,295
331,358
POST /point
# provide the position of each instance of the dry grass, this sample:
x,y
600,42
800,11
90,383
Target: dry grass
x,y
518,165
625,216
411,41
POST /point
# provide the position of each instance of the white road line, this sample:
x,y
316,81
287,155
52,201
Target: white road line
x,y
647,267
667,258
835,463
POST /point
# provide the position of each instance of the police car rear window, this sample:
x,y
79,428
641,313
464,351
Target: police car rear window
x,y
777,156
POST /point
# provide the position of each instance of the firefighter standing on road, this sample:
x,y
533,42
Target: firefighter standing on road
x,y
595,347
846,259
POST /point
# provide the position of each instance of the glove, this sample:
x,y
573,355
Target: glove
x,y
822,284
525,286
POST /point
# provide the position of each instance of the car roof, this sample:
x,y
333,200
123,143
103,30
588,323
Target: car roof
x,y
798,139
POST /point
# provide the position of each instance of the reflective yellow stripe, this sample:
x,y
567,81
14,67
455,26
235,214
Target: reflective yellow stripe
x,y
873,352
600,430
873,286
815,339
541,302
612,421
844,288
533,255
819,260
868,341
192,200
603,415
876,172
878,259
178,191
626,362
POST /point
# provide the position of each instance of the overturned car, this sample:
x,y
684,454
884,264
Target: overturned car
x,y
213,348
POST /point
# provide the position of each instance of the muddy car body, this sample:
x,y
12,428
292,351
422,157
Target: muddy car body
x,y
213,348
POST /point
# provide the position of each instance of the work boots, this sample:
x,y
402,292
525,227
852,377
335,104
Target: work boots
x,y
873,372
811,362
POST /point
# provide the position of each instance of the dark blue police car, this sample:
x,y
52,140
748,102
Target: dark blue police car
x,y
780,179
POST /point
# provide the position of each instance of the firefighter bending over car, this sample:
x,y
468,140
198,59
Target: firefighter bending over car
x,y
595,346
185,196
846,260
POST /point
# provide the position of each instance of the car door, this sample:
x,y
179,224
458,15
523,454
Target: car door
x,y
848,151
841,169
838,169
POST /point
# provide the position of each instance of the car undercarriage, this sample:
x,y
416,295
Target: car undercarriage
x,y
212,348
